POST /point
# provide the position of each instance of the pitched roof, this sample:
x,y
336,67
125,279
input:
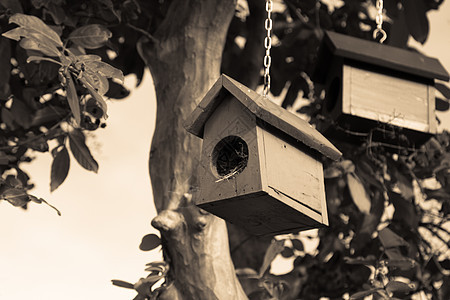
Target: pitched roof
x,y
370,52
263,109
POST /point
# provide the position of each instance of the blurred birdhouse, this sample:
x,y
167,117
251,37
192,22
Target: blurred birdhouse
x,y
380,90
261,166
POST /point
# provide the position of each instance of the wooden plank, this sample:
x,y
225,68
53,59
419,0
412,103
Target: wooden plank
x,y
293,173
432,110
195,122
384,55
386,99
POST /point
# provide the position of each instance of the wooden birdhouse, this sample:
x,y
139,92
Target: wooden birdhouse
x,y
261,165
377,91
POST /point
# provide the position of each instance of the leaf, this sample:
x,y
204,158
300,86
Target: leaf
x,y
105,69
441,104
275,248
399,287
13,5
40,58
287,252
34,24
358,192
95,95
21,113
72,98
60,168
117,91
90,36
97,80
36,45
390,239
404,264
443,89
48,114
15,196
416,19
405,211
81,152
150,242
123,284
363,294
5,68
297,244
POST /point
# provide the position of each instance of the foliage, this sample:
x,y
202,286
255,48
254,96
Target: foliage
x,y
388,235
59,61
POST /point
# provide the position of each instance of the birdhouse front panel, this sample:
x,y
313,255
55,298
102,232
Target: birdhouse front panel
x,y
388,99
229,166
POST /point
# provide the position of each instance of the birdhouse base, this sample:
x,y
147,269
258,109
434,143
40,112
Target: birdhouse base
x,y
359,130
266,213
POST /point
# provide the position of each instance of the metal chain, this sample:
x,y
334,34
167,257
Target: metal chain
x,y
379,21
267,45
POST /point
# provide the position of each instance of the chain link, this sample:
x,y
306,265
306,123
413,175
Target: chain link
x,y
267,45
379,21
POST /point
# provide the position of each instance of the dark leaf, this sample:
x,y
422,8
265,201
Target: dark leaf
x,y
72,98
297,244
404,210
48,114
21,113
390,239
123,284
5,68
442,104
90,36
110,6
12,5
8,118
117,91
60,168
404,264
15,196
287,252
360,295
443,89
150,242
416,19
358,192
92,91
81,152
275,248
399,287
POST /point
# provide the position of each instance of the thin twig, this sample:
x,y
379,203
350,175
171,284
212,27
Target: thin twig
x,y
148,35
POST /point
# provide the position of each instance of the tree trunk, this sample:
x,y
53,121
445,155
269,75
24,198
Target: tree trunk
x,y
184,59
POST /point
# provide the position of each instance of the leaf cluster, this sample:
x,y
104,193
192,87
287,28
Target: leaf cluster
x,y
60,61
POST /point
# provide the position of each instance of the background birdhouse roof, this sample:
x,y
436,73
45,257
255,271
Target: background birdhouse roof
x,y
369,52
262,108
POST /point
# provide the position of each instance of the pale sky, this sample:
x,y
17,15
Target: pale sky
x,y
72,257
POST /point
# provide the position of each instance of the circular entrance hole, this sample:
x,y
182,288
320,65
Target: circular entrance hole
x,y
230,156
332,95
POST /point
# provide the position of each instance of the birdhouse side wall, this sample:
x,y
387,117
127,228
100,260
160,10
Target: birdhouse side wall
x,y
293,176
230,119
388,99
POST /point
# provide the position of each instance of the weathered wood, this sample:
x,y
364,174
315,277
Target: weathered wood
x,y
278,185
387,99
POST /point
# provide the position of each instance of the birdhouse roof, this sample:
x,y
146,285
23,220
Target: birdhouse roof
x,y
373,53
263,109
